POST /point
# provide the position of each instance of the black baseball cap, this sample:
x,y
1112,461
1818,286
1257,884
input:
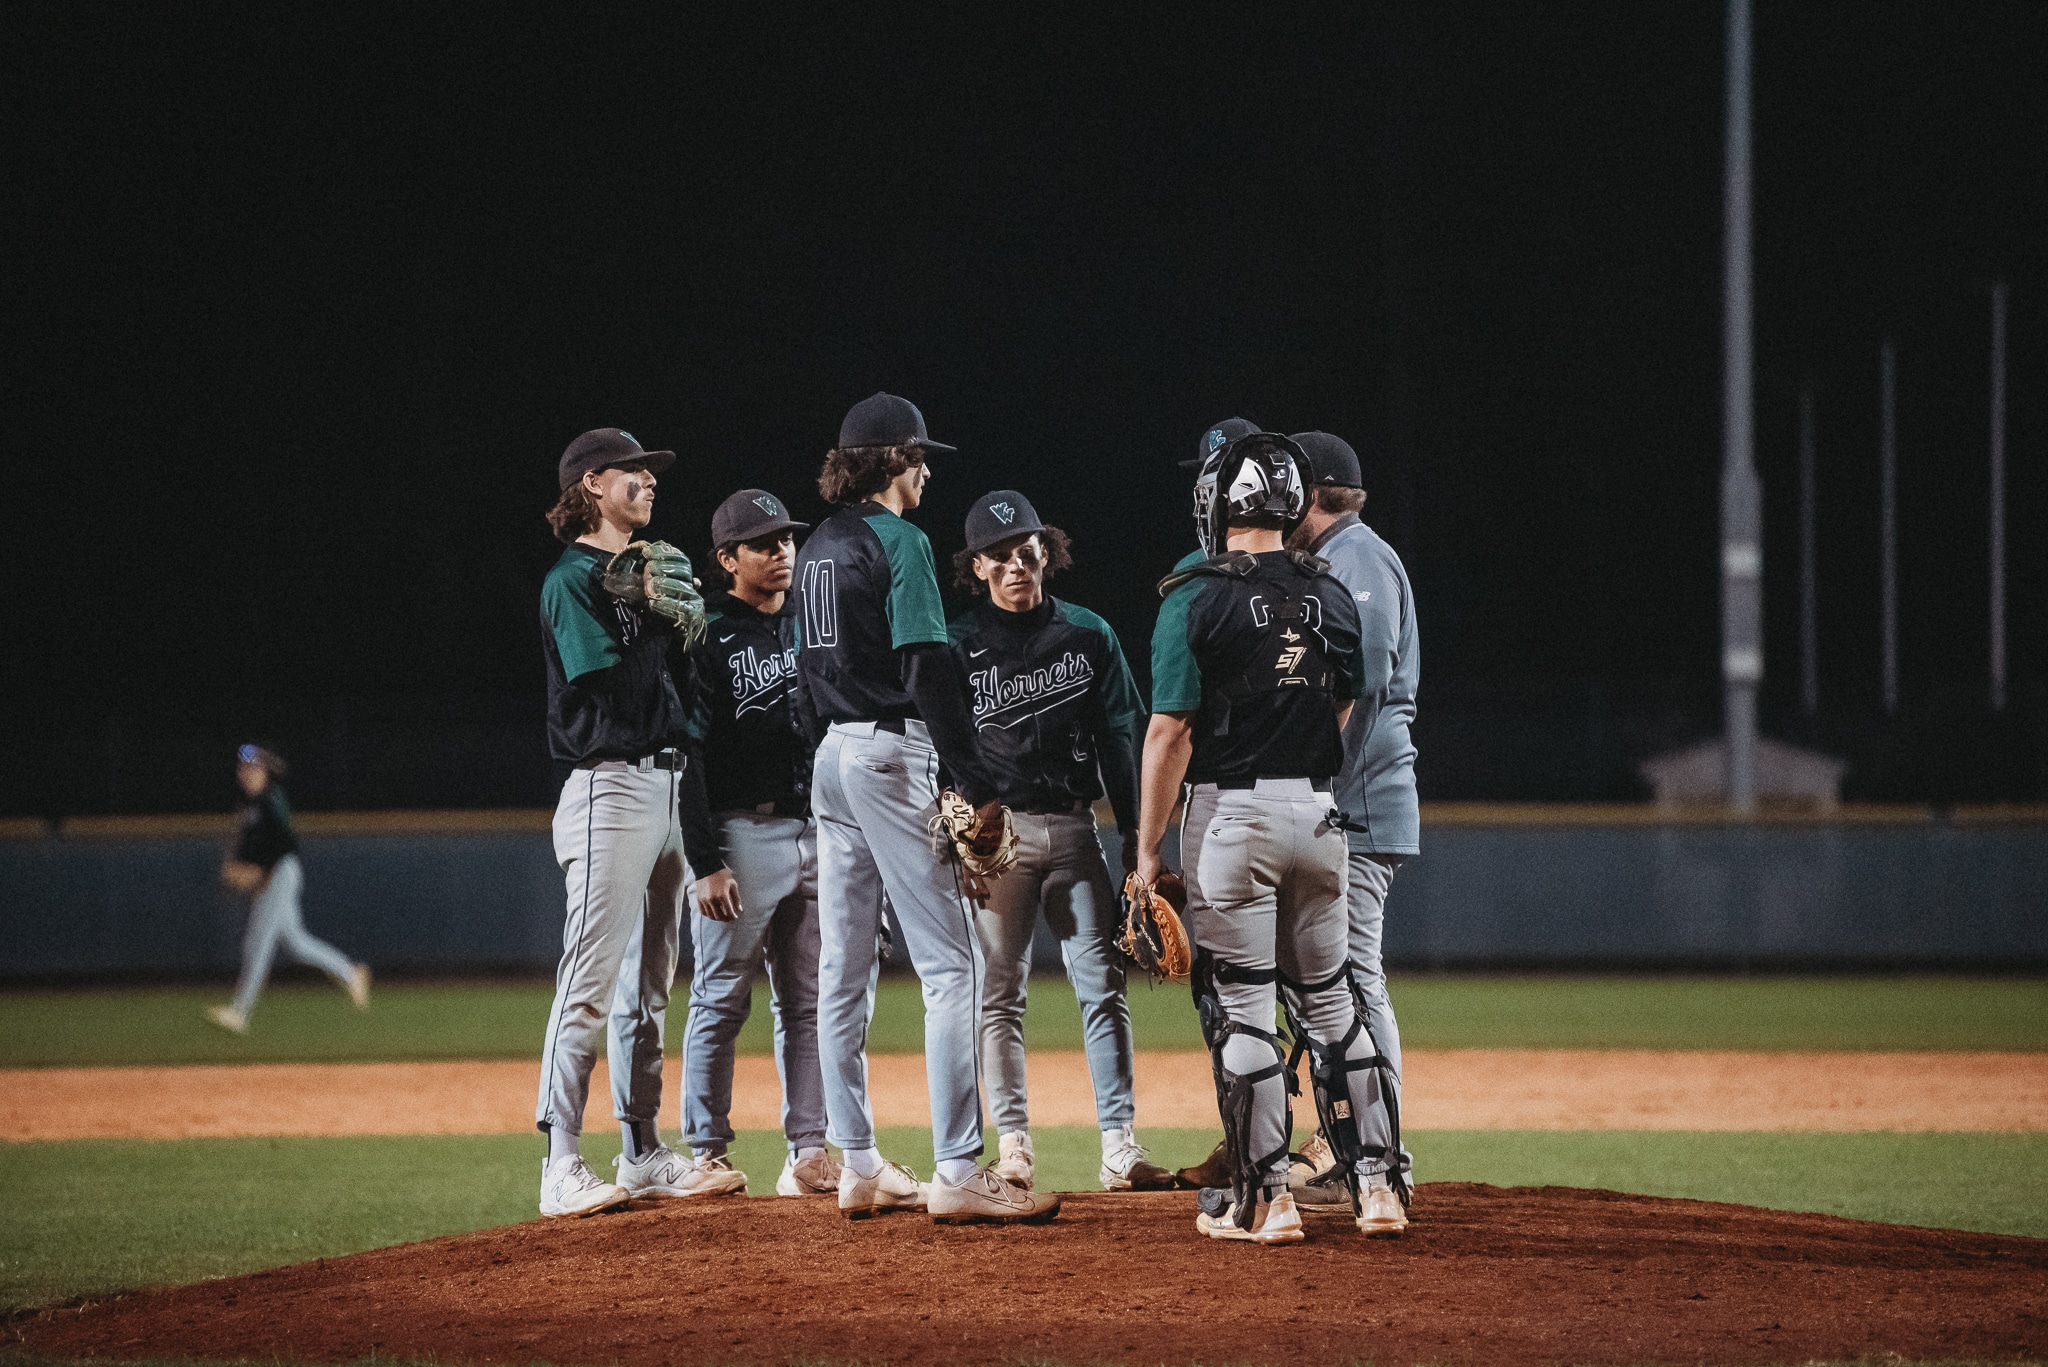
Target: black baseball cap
x,y
998,516
604,448
1330,459
748,514
1217,437
885,420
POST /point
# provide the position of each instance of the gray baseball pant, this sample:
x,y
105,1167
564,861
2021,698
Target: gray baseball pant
x,y
1366,895
621,852
872,793
277,922
1266,874
774,862
1059,869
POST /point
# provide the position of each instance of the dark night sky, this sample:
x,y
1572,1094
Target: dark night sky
x,y
303,307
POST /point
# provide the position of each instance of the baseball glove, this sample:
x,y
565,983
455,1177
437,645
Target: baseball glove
x,y
675,597
1153,936
983,839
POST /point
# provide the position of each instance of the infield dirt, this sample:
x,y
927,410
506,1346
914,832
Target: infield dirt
x,y
1485,1274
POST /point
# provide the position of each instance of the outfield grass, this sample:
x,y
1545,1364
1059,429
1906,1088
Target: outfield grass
x,y
479,1020
90,1217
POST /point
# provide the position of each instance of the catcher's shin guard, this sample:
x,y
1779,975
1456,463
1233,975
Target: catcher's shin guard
x,y
1237,1093
1339,1100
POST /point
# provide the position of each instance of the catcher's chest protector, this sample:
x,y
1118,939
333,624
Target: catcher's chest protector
x,y
1285,647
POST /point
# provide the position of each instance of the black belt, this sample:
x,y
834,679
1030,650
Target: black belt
x,y
893,725
672,760
1321,785
1067,808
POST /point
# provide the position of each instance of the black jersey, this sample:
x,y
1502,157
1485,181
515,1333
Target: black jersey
x,y
1264,651
1054,706
610,695
264,833
756,746
865,588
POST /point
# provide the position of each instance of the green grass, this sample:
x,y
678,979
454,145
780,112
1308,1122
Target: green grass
x,y
476,1020
94,1216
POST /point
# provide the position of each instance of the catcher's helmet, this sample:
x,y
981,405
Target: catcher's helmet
x,y
1259,474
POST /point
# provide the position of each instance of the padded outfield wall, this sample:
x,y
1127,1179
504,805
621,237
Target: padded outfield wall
x,y
1565,887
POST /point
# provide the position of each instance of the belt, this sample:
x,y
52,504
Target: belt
x,y
893,725
1054,808
675,761
1321,785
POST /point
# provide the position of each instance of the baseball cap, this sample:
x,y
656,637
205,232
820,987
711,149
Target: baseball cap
x,y
748,514
998,516
1217,437
605,447
885,420
257,754
1331,459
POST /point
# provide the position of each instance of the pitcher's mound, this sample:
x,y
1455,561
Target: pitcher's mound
x,y
1484,1274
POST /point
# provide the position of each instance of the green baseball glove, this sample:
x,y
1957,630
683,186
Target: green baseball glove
x,y
656,565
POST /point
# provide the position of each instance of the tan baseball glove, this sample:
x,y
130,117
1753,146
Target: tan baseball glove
x,y
983,839
1153,935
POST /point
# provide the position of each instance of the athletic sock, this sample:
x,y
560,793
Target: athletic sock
x,y
865,1163
954,1171
563,1143
808,1152
640,1137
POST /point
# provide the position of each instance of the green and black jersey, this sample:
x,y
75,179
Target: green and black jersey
x,y
865,589
1264,653
265,832
610,695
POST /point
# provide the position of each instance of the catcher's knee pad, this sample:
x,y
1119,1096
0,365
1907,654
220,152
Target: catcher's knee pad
x,y
1237,1092
1339,1073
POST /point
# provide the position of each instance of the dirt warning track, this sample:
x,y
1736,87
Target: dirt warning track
x,y
1526,1275
1445,1089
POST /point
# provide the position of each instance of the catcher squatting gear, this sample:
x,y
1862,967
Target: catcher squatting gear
x,y
1347,1079
1261,474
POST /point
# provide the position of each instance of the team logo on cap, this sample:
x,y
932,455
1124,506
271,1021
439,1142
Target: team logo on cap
x,y
1003,513
1215,438
629,436
767,504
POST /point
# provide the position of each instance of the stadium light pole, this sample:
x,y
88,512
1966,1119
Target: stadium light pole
x,y
1809,608
1998,496
1742,655
1888,522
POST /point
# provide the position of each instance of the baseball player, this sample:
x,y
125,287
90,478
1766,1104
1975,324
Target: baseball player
x,y
265,864
875,663
617,731
747,827
1376,787
1057,715
1255,663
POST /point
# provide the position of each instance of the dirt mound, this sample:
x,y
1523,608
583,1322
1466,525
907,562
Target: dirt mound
x,y
1485,1274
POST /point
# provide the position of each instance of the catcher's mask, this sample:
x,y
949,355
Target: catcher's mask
x,y
1260,474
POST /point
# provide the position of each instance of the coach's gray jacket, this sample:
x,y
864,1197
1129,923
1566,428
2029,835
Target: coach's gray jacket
x,y
1376,788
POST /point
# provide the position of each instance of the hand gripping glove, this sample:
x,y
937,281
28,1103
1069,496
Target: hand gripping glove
x,y
983,839
675,597
1152,935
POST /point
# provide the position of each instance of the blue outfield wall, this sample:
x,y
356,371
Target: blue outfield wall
x,y
1616,888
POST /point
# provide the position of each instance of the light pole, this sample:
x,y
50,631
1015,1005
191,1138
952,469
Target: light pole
x,y
1998,496
1742,653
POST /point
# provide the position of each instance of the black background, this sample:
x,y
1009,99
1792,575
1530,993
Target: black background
x,y
302,309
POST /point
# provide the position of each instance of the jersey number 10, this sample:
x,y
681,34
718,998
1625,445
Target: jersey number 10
x,y
821,605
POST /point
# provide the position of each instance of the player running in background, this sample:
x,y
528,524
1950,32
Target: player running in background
x,y
1255,662
1058,717
615,725
1376,787
879,674
265,863
747,826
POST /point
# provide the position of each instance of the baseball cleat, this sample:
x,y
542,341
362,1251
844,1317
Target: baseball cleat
x,y
359,986
1315,1158
1213,1171
1124,1166
1013,1159
895,1187
665,1175
817,1175
1275,1222
569,1187
228,1019
989,1198
1380,1213
1324,1193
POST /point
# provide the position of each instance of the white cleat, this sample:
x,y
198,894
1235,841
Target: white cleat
x,y
988,1198
895,1187
228,1019
1314,1159
1013,1159
1380,1213
569,1187
817,1175
359,986
1125,1167
1276,1221
665,1175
